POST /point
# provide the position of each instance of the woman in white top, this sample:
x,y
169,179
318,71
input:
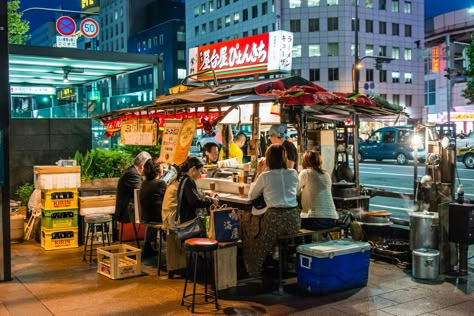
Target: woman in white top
x,y
278,185
318,209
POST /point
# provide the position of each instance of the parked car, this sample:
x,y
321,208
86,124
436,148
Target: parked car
x,y
467,141
393,142
466,156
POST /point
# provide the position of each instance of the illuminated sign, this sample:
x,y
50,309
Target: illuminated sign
x,y
269,52
32,90
435,60
85,4
66,93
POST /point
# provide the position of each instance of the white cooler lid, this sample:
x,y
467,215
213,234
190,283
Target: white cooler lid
x,y
332,248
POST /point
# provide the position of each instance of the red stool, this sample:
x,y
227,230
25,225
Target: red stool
x,y
194,247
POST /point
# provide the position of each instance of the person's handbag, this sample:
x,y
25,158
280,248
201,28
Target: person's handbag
x,y
224,224
190,229
259,206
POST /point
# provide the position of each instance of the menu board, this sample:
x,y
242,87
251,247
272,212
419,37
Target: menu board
x,y
177,138
139,131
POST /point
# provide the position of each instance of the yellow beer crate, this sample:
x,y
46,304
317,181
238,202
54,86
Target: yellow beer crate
x,y
59,199
53,239
119,261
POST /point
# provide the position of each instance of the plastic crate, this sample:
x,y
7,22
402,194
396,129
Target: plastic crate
x,y
60,199
119,261
59,218
53,239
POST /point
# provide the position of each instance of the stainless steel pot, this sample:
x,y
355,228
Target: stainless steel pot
x,y
425,263
344,189
424,228
378,217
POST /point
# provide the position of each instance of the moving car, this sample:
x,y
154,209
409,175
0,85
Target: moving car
x,y
466,156
393,142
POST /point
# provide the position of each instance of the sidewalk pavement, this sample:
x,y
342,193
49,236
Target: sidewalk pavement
x,y
60,283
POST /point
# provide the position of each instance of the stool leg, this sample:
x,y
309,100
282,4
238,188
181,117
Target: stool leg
x,y
121,232
195,254
87,240
107,230
206,270
103,234
160,233
92,241
216,290
136,235
188,269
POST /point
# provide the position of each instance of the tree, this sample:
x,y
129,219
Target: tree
x,y
17,28
468,93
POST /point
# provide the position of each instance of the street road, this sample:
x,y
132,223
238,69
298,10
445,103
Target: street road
x,y
389,176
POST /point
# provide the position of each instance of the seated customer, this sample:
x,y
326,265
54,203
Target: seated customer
x,y
278,185
152,191
314,187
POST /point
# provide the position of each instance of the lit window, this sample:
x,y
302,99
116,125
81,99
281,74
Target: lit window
x,y
395,53
296,51
196,11
211,5
369,50
333,2
314,50
407,7
236,17
408,53
203,8
395,76
395,6
313,3
369,4
295,4
227,20
181,73
408,77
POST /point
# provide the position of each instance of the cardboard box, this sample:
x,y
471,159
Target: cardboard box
x,y
119,261
333,265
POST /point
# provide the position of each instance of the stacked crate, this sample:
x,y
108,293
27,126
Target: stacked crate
x,y
59,205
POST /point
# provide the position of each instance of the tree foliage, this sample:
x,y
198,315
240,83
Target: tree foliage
x,y
468,93
17,28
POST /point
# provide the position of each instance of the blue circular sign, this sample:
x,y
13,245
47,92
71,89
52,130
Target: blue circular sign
x,y
66,26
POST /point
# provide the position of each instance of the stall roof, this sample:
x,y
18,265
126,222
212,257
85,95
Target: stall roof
x,y
291,91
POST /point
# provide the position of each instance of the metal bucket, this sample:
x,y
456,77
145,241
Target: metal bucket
x,y
425,264
424,228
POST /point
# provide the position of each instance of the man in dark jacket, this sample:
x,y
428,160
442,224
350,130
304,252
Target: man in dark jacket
x,y
130,180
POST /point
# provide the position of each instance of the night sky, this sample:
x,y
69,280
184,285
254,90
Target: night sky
x,y
432,8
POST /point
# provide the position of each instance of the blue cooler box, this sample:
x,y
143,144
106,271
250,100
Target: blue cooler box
x,y
332,265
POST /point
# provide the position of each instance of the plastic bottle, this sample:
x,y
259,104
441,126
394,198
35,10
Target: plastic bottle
x,y
460,192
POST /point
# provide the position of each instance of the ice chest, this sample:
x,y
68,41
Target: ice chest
x,y
333,265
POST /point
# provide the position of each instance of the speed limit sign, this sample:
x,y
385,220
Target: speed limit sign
x,y
89,28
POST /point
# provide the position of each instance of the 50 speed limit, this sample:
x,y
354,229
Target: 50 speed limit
x,y
89,28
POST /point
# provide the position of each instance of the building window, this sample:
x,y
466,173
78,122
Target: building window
x,y
314,74
382,4
295,4
211,26
383,75
333,2
369,26
265,29
382,27
395,6
296,72
196,11
408,77
353,24
245,14
227,20
296,51
255,32
369,50
254,11
396,99
407,30
333,24
196,30
226,2
203,28
333,49
139,80
295,25
236,17
313,3
430,92
395,29
395,76
211,5
383,50
408,54
333,74
180,37
408,100
180,54
314,50
264,8
369,75
313,25
203,8
395,53
219,23
245,34
219,4
407,7
150,78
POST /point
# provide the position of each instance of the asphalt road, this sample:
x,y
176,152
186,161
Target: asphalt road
x,y
389,176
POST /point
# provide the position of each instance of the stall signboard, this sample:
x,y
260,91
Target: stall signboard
x,y
177,138
263,53
139,131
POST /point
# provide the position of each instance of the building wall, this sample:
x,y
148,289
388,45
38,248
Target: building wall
x,y
43,142
199,19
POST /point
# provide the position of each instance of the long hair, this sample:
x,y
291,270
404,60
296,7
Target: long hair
x,y
312,159
275,157
188,164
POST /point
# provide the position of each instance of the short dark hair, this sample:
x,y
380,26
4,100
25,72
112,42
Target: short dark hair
x,y
275,157
240,136
151,169
207,147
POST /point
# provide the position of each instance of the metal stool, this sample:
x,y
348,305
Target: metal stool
x,y
195,246
160,232
96,222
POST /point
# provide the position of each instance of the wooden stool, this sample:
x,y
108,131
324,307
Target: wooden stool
x,y
195,246
95,222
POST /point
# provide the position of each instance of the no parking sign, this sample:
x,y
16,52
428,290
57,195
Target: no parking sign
x,y
89,28
66,26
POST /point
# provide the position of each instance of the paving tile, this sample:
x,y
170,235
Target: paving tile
x,y
462,309
378,313
416,307
407,294
356,307
323,311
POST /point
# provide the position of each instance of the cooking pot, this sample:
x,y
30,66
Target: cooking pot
x,y
377,217
424,230
344,189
